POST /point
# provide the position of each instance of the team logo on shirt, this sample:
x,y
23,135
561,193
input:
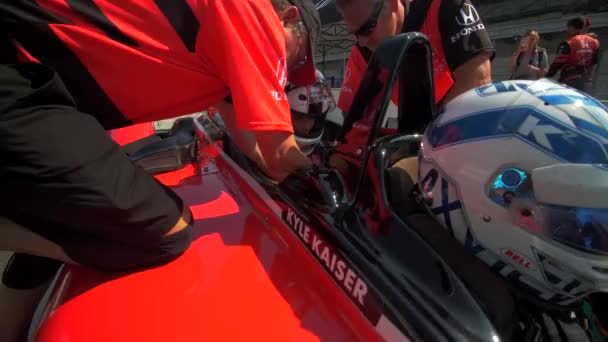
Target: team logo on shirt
x,y
281,73
468,16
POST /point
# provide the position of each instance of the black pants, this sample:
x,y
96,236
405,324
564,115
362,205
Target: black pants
x,y
63,177
576,83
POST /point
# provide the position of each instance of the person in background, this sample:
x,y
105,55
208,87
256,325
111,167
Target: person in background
x,y
577,57
529,61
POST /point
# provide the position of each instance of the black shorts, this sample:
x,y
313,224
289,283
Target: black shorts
x,y
63,177
576,83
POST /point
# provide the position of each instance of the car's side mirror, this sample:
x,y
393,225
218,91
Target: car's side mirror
x,y
572,185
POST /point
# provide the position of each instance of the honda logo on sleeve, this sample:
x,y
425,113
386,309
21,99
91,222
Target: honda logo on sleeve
x,y
468,15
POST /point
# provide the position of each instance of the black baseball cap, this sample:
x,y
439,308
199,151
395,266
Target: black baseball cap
x,y
306,74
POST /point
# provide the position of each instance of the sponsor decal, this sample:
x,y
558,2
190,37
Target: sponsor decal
x,y
344,275
531,127
281,73
518,258
332,261
467,31
468,15
470,21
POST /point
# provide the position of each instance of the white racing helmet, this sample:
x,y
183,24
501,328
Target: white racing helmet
x,y
518,172
311,102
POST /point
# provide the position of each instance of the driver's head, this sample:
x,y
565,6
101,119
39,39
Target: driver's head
x,y
302,123
302,27
371,21
309,107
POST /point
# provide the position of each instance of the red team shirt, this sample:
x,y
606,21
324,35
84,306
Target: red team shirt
x,y
146,60
456,33
577,54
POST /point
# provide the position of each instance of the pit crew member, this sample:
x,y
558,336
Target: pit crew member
x,y
577,57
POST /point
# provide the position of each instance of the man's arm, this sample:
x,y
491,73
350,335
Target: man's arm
x,y
563,51
468,55
472,74
280,153
272,151
353,73
253,61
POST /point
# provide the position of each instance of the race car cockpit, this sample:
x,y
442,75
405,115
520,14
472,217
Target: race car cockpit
x,y
367,231
361,220
361,215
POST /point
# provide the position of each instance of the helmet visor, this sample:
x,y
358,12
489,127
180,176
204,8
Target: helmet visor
x,y
585,229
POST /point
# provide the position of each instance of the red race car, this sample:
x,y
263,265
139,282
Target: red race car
x,y
269,264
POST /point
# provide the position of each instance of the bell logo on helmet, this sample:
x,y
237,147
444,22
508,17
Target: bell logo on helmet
x,y
518,258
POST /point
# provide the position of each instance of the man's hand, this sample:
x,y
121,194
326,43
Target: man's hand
x,y
280,153
316,185
275,152
303,182
536,70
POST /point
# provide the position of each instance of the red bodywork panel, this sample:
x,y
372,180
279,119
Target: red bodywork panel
x,y
245,277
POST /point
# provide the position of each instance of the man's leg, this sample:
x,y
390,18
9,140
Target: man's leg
x,y
20,299
17,307
19,239
66,180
